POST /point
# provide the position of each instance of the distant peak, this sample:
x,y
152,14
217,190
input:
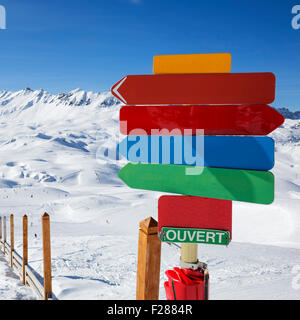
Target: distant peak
x,y
27,97
76,90
289,114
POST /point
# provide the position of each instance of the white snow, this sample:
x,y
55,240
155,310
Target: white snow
x,y
53,160
11,287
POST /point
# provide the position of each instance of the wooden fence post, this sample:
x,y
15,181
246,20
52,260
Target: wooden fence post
x,y
4,242
47,256
25,248
0,228
12,240
149,253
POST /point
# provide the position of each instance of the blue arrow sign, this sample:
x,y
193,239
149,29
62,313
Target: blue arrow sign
x,y
235,152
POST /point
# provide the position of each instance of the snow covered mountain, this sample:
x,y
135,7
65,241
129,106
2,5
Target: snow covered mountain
x,y
54,158
21,100
289,114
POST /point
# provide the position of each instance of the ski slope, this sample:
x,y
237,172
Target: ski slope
x,y
11,287
54,159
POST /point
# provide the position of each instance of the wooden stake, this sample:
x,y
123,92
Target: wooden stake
x,y
4,222
0,228
25,248
189,252
12,240
47,256
149,253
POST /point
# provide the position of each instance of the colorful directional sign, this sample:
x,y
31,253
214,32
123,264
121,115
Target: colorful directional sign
x,y
193,129
194,212
209,88
195,236
257,120
253,153
228,184
192,63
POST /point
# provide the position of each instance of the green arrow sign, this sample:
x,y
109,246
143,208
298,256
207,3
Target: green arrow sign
x,y
229,184
195,236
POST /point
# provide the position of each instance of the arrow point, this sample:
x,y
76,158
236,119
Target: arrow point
x,y
278,120
123,174
116,87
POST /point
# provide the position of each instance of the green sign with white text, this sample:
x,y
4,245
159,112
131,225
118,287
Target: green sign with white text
x,y
180,235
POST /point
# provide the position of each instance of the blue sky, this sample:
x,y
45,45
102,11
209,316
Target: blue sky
x,y
91,44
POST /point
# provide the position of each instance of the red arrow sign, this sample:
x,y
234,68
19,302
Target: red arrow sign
x,y
213,88
214,120
194,212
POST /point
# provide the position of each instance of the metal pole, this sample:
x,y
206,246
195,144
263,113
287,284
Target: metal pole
x,y
189,253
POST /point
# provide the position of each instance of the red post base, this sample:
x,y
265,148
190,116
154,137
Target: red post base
x,y
187,284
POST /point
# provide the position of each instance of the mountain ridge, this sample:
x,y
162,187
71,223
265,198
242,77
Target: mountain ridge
x,y
26,98
80,97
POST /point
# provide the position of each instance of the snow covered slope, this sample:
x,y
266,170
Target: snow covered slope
x,y
11,287
54,158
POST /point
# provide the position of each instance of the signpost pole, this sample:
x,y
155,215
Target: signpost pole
x,y
189,253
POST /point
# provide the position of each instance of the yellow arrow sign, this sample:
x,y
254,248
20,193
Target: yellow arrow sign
x,y
192,63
